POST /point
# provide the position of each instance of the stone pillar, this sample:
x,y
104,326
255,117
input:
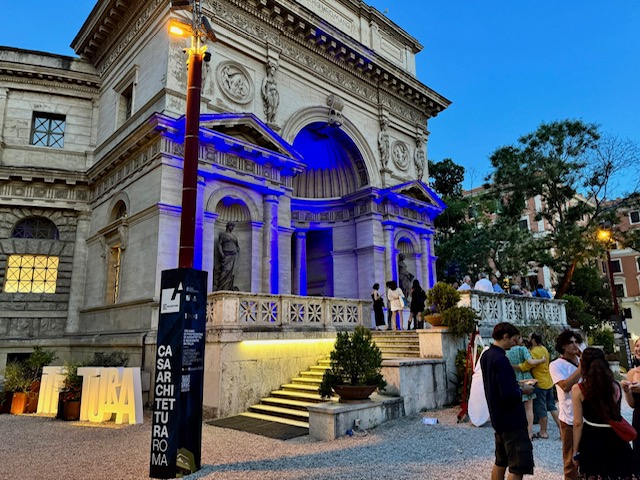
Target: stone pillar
x,y
79,269
428,260
300,264
285,267
4,92
256,256
389,254
208,246
270,245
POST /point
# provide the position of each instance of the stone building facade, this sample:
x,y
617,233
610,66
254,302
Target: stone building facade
x,y
313,140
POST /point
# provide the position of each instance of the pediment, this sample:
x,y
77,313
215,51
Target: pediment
x,y
420,192
247,128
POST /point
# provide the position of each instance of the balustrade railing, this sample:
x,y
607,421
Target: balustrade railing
x,y
494,308
246,310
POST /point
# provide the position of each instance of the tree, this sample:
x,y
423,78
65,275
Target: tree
x,y
572,169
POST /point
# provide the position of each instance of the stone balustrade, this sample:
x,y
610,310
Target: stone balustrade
x,y
274,312
494,308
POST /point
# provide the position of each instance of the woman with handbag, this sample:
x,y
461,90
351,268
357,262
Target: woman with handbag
x,y
600,450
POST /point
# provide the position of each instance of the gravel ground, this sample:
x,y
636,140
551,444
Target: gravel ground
x,y
35,447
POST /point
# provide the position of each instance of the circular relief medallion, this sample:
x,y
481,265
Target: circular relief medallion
x,y
235,82
400,155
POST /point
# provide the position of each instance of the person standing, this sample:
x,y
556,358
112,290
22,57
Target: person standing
x,y
504,399
378,306
521,359
544,401
466,284
597,449
396,303
483,284
541,292
497,288
418,298
565,374
631,389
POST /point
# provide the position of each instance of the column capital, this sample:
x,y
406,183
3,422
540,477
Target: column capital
x,y
271,198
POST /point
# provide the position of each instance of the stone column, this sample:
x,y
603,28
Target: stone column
x,y
389,254
208,246
270,245
79,269
300,264
428,260
4,92
256,256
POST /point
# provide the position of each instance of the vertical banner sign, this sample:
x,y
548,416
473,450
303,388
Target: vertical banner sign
x,y
176,434
620,326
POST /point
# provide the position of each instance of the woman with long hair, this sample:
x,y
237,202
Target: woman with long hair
x,y
599,452
396,303
631,389
418,297
378,306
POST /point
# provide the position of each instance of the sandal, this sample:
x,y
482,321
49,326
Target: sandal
x,y
536,435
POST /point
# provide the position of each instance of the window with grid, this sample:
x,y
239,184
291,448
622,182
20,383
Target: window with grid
x,y
39,228
31,274
48,130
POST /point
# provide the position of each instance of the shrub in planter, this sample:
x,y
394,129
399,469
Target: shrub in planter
x,y
17,380
355,361
460,320
440,298
34,364
71,392
115,358
603,335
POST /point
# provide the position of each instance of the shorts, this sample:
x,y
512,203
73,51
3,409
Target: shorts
x,y
514,450
544,402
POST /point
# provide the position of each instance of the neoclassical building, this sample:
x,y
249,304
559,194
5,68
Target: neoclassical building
x,y
313,136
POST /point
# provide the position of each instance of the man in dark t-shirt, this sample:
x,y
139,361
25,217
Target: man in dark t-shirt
x,y
504,398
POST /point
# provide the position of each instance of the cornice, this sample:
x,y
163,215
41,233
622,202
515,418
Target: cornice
x,y
45,76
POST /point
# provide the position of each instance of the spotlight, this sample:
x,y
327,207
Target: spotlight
x,y
207,57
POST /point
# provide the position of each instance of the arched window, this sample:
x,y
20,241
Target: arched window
x,y
39,228
32,273
119,211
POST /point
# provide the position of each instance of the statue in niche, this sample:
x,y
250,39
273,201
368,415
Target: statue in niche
x,y
419,158
383,142
270,95
404,276
228,251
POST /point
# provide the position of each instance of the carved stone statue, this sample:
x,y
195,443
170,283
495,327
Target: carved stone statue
x,y
419,159
270,94
404,276
228,251
336,104
383,142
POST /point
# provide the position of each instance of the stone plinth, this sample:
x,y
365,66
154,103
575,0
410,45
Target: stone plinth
x,y
328,421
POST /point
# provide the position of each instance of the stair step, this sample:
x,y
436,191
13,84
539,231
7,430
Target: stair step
x,y
291,394
319,368
313,374
307,380
300,387
286,421
291,413
287,403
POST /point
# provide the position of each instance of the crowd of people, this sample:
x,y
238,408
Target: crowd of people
x,y
595,438
492,285
396,301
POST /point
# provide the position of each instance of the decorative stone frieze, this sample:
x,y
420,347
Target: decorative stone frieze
x,y
235,82
400,155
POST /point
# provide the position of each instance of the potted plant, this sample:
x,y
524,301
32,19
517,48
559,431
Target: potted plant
x,y
355,367
34,364
440,298
461,321
71,392
17,381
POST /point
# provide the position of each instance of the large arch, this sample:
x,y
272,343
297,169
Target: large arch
x,y
319,115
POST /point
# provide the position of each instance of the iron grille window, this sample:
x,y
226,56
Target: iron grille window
x,y
31,274
36,227
48,130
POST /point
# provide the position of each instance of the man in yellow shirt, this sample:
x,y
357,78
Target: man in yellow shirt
x,y
545,400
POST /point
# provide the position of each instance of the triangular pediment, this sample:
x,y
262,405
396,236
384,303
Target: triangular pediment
x,y
248,128
420,192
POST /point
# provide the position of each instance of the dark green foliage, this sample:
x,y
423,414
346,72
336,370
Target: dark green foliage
x,y
38,359
72,383
116,358
603,336
355,360
441,296
588,284
16,377
460,320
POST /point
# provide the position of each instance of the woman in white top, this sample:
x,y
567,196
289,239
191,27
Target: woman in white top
x,y
396,303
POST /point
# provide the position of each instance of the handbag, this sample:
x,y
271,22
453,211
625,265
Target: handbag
x,y
624,429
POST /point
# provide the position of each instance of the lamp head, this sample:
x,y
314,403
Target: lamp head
x,y
604,235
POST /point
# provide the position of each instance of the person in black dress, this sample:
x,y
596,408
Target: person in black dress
x,y
378,306
598,451
418,298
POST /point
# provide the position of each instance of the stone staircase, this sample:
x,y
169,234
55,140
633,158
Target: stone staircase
x,y
289,404
397,344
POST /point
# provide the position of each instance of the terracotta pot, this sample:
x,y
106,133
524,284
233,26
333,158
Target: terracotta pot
x,y
19,403
32,404
71,410
434,319
354,393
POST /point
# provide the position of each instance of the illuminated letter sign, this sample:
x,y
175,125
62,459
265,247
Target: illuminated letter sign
x,y
179,372
50,385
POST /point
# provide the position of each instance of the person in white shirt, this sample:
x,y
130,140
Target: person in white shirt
x,y
565,373
466,284
483,284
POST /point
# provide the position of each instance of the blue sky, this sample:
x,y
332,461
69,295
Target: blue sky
x,y
506,65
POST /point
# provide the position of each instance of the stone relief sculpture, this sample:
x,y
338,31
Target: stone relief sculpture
x,y
270,94
235,82
420,158
400,155
383,142
405,277
336,104
228,251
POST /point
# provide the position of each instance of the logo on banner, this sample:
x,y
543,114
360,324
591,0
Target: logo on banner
x,y
170,299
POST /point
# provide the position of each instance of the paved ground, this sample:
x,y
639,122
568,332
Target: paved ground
x,y
33,447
